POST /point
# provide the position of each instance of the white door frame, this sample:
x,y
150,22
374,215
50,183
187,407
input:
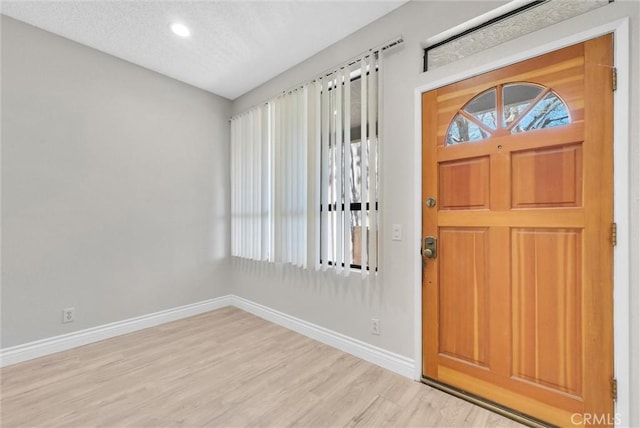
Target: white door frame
x,y
621,194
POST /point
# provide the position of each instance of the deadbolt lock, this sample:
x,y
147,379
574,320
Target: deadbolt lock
x,y
430,247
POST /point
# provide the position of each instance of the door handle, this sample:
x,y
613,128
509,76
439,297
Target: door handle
x,y
429,247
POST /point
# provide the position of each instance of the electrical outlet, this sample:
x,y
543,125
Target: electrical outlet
x,y
68,315
375,326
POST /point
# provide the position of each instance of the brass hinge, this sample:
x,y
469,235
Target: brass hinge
x,y
615,78
614,234
614,389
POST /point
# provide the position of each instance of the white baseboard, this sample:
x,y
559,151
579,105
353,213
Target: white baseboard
x,y
381,357
40,348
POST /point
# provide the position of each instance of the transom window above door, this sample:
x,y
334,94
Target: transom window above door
x,y
509,108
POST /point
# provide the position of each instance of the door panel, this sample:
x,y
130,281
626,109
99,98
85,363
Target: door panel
x,y
545,287
517,306
547,177
464,285
464,184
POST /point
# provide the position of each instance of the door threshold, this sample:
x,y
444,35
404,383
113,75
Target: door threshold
x,y
487,404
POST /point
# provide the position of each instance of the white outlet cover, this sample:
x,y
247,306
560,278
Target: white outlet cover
x,y
396,232
68,315
375,326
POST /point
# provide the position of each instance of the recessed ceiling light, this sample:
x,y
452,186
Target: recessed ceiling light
x,y
180,29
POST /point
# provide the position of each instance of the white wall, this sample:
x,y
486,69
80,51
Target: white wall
x,y
347,305
115,188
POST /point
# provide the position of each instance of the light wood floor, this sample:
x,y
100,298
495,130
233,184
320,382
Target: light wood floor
x,y
225,368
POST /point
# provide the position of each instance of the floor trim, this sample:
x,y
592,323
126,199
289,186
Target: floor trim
x,y
40,348
378,356
381,357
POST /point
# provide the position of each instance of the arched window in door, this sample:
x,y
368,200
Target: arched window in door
x,y
507,109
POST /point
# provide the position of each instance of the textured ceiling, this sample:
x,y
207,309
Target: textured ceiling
x,y
234,45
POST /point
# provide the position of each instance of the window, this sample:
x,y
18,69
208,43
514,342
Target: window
x,y
523,107
349,170
305,171
500,25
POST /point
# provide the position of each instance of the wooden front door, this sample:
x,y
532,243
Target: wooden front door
x,y
518,191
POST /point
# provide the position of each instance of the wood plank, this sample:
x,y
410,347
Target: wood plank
x,y
222,368
598,201
514,143
543,217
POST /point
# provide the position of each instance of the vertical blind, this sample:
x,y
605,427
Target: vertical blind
x,y
251,185
349,189
269,181
305,172
289,174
